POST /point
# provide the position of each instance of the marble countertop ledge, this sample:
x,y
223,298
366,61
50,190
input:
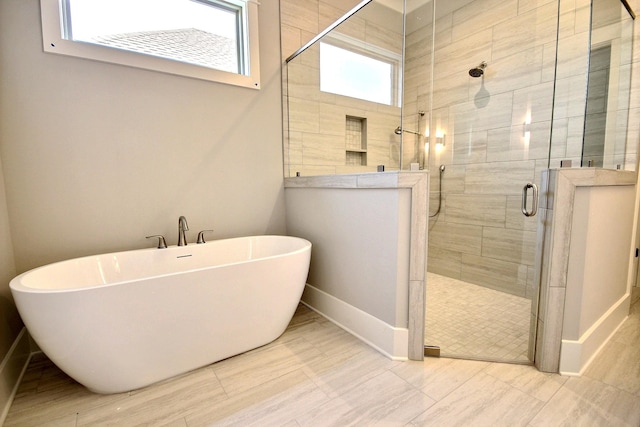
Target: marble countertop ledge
x,y
582,177
392,179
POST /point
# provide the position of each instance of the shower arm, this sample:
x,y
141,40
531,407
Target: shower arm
x,y
399,130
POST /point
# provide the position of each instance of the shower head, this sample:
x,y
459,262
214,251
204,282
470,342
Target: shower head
x,y
398,131
479,70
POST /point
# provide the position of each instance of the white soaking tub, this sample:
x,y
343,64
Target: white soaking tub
x,y
120,321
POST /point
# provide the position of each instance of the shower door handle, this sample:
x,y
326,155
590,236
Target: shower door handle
x,y
525,193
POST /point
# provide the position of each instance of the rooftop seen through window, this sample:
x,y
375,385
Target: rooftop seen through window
x,y
214,34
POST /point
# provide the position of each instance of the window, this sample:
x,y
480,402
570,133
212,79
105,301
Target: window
x,y
352,68
213,40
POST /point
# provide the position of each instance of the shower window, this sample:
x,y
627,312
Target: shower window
x,y
209,39
354,69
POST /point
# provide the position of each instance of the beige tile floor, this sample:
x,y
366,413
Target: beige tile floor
x,y
474,322
318,375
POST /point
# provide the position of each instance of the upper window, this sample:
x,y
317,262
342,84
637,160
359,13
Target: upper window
x,y
208,39
352,68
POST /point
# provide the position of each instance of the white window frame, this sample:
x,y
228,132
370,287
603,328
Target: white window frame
x,y
53,41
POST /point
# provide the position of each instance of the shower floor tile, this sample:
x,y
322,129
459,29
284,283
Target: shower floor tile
x,y
471,321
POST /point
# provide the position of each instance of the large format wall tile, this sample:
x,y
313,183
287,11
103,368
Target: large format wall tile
x,y
481,14
498,178
495,274
467,117
302,13
456,237
476,210
509,245
444,262
453,60
535,27
468,147
520,70
515,218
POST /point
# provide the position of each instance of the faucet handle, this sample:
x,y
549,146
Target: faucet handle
x,y
162,243
201,236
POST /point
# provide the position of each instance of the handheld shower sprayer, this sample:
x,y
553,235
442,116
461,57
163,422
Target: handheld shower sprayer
x,y
441,169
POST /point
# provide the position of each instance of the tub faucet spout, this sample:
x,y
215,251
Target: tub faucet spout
x,y
182,227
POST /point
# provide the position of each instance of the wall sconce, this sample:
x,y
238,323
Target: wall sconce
x,y
426,140
440,141
526,130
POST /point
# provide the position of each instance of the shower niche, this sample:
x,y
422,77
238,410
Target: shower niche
x,y
356,141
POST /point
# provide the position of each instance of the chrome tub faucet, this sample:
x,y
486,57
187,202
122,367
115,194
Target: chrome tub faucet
x,y
182,227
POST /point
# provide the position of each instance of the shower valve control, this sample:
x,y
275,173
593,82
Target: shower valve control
x,y
162,243
201,236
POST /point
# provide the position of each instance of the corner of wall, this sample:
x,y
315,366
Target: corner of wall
x,y
577,355
12,369
391,341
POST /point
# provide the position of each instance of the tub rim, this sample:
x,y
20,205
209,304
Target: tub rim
x,y
16,284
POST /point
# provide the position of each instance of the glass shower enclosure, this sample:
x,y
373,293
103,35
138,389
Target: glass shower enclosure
x,y
514,88
485,95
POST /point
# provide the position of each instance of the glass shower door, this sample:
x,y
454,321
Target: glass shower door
x,y
490,97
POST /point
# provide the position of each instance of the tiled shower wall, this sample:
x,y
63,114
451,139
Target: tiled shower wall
x,y
480,235
316,122
497,128
496,131
572,80
302,20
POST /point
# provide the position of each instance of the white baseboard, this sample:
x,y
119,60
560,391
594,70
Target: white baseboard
x,y
576,356
390,341
12,369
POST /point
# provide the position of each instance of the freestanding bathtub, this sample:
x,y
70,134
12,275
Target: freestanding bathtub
x,y
121,321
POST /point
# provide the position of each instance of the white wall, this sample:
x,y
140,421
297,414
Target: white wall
x,y
14,352
360,245
97,156
365,260
597,275
10,323
597,298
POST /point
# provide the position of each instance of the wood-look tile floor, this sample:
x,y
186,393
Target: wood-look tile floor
x,y
316,374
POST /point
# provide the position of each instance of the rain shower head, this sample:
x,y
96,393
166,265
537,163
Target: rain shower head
x,y
479,70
